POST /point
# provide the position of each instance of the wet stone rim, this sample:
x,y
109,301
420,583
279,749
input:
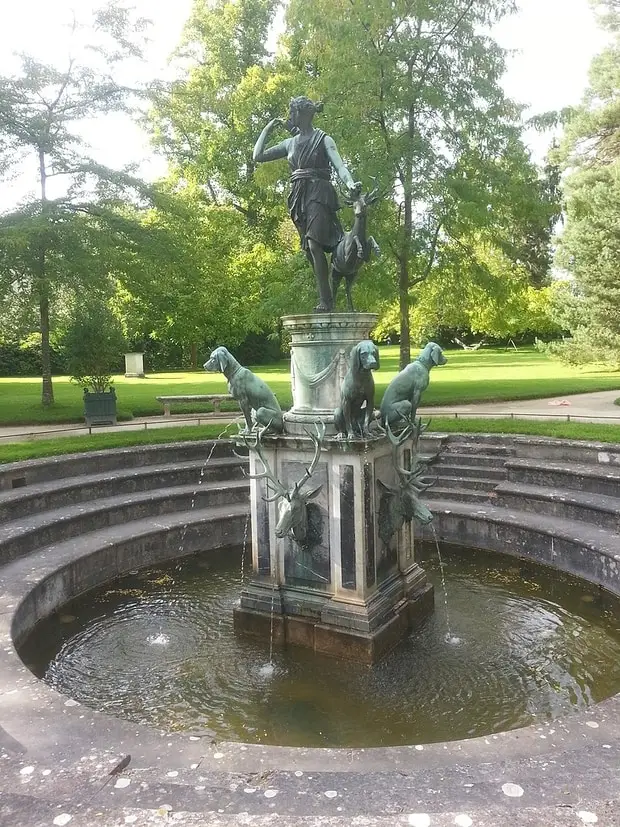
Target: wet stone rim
x,y
533,767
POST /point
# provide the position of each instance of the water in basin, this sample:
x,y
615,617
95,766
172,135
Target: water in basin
x,y
527,645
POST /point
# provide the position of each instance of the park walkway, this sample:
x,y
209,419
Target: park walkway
x,y
582,407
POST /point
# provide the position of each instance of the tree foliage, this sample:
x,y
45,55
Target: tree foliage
x,y
207,120
54,246
93,346
415,100
213,288
589,248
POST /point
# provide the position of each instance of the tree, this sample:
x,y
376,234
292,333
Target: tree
x,y
209,288
489,296
206,122
49,244
413,90
589,248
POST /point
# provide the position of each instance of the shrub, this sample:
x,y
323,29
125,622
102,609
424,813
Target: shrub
x,y
94,346
24,358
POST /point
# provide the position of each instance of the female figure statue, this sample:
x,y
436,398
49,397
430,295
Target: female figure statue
x,y
312,203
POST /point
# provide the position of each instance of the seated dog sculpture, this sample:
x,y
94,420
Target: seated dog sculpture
x,y
357,395
402,396
254,396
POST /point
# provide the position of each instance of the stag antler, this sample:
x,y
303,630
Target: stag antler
x,y
266,473
318,441
409,478
374,194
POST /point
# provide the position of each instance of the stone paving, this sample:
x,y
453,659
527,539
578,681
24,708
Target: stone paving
x,y
587,407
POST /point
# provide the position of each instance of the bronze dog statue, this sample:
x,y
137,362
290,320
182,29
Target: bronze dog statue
x,y
402,396
357,395
252,394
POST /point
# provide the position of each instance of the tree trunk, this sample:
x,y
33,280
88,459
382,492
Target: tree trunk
x,y
405,335
193,358
47,393
403,282
47,389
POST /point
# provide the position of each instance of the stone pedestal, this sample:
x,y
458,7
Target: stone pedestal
x,y
320,347
351,591
134,365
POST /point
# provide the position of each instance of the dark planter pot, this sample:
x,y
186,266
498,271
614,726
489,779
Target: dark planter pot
x,y
100,408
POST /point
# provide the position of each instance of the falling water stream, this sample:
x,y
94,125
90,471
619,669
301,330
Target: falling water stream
x,y
244,546
200,481
450,638
273,597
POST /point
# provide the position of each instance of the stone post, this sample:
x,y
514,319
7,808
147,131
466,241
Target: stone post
x,y
134,365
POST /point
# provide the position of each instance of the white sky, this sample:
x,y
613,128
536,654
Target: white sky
x,y
555,42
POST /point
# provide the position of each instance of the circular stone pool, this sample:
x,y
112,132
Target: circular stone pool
x,y
514,643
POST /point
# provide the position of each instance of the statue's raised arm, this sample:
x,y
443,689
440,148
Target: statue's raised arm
x,y
312,203
274,153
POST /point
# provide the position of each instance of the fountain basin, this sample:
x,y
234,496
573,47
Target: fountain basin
x,y
158,647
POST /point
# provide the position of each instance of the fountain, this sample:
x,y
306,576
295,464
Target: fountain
x,y
332,545
97,603
332,565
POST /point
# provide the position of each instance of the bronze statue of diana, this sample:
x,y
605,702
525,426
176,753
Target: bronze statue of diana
x,y
312,203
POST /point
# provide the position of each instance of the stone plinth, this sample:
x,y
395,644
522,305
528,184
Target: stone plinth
x,y
351,592
134,365
320,347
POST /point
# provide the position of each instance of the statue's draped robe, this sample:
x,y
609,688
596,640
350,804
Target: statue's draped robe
x,y
313,204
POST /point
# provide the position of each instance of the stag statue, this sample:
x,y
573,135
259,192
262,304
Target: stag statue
x,y
293,507
354,248
401,503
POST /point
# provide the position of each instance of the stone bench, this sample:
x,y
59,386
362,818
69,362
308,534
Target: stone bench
x,y
215,399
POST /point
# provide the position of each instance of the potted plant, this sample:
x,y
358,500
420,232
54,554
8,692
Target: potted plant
x,y
94,344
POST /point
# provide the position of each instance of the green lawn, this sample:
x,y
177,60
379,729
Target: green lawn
x,y
480,376
31,449
35,448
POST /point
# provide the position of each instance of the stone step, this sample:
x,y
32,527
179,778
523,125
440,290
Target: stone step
x,y
597,509
468,471
596,479
88,560
459,483
466,495
458,447
562,450
35,471
582,549
22,536
44,496
469,460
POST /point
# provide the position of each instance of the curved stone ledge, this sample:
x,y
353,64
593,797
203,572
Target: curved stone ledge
x,y
41,583
19,474
593,556
534,447
563,767
26,535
